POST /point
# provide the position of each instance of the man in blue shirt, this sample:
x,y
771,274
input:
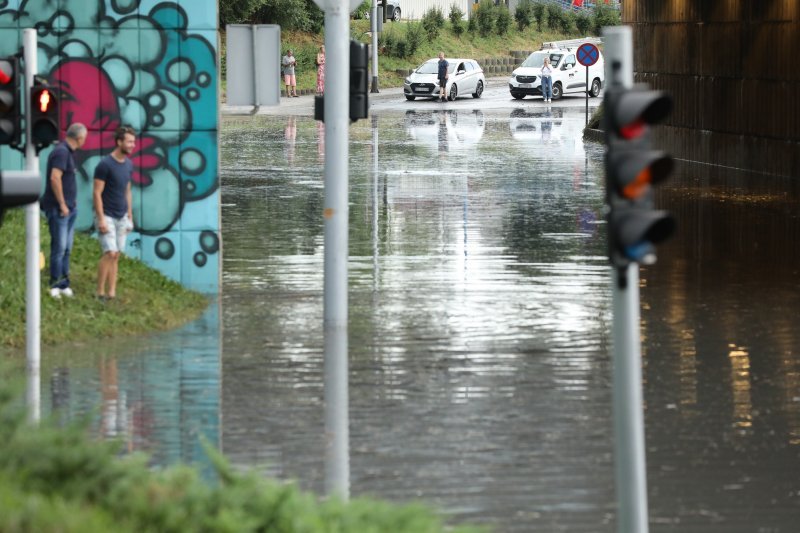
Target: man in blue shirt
x,y
60,207
442,75
113,208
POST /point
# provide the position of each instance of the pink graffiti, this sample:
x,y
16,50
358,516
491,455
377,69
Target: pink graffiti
x,y
87,96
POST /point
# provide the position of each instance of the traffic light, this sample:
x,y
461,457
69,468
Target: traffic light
x,y
44,115
632,168
359,84
10,123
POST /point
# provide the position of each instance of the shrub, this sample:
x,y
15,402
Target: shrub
x,y
605,16
486,16
54,479
362,10
433,21
539,14
566,22
524,14
584,23
472,24
414,36
502,20
456,17
554,14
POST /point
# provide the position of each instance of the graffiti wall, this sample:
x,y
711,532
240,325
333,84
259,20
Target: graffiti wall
x,y
150,64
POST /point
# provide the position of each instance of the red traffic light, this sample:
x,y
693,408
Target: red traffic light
x,y
45,100
44,115
635,110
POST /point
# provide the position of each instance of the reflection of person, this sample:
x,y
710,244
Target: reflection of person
x,y
547,126
442,134
320,141
289,62
321,70
113,207
442,75
290,134
59,203
547,80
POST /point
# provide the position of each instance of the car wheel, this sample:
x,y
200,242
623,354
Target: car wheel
x,y
478,90
396,15
595,90
453,92
518,96
557,92
410,98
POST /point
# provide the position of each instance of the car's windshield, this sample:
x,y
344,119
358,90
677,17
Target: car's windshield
x,y
536,59
432,67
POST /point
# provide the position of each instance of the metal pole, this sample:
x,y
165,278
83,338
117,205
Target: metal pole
x,y
374,25
375,249
256,70
628,410
587,96
337,116
32,277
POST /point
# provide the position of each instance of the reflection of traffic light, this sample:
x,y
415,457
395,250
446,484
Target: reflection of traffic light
x,y
44,115
10,127
632,167
359,85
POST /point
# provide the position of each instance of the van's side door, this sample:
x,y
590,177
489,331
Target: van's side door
x,y
573,75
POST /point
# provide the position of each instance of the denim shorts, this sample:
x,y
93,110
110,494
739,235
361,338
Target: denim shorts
x,y
114,239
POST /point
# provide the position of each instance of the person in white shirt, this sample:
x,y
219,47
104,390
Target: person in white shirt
x,y
547,80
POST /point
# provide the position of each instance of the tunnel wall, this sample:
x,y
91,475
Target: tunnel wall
x,y
152,65
733,68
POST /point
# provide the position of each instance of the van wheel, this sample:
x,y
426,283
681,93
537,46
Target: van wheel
x,y
396,15
595,90
557,91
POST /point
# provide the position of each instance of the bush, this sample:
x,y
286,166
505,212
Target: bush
x,y
472,24
362,10
55,479
605,16
539,14
433,21
414,37
524,14
486,16
554,14
566,22
502,20
456,17
584,23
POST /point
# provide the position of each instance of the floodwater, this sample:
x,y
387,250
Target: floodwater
x,y
480,320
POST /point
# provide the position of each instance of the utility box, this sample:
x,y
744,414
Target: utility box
x,y
253,60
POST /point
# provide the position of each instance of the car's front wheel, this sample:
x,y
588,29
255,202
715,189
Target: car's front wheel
x,y
453,92
396,14
410,98
557,91
478,90
595,90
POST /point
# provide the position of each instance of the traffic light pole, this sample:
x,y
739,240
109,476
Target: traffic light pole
x,y
629,449
374,25
335,215
32,276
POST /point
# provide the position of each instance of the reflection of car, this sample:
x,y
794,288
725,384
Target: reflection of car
x,y
465,76
568,75
445,130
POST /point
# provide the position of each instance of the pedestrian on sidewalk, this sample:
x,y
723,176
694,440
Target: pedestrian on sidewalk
x,y
320,61
443,74
547,80
113,205
289,62
59,203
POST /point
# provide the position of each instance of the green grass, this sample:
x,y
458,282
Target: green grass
x,y
146,300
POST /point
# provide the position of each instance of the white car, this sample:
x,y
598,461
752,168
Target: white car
x,y
569,76
465,76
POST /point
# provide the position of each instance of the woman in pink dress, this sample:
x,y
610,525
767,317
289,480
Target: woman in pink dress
x,y
321,70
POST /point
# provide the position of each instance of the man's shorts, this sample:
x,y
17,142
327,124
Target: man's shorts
x,y
114,239
290,80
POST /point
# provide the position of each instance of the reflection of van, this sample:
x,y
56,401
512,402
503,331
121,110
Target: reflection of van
x,y
569,77
535,124
445,129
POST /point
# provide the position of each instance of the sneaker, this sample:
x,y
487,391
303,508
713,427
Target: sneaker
x,y
55,292
67,292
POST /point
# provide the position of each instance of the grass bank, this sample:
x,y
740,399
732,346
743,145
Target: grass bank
x,y
146,300
467,44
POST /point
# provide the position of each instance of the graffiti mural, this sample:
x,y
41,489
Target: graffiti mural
x,y
150,64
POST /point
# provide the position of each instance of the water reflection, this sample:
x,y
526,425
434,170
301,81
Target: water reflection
x,y
445,130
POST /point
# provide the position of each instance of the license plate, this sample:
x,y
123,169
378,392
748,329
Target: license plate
x,y
424,89
526,85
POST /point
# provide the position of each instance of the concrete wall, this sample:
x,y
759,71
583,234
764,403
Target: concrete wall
x,y
150,64
734,70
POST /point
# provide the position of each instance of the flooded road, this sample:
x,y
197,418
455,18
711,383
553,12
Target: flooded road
x,y
480,322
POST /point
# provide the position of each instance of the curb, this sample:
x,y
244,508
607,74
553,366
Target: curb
x,y
593,135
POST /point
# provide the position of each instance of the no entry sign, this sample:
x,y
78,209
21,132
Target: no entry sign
x,y
588,54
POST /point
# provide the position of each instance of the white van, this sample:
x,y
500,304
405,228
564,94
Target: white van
x,y
569,76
